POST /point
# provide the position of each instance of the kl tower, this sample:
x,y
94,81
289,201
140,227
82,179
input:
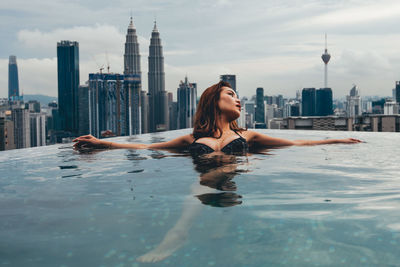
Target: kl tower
x,y
325,58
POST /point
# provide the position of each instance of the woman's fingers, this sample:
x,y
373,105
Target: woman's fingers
x,y
83,137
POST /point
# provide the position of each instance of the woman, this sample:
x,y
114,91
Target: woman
x,y
215,129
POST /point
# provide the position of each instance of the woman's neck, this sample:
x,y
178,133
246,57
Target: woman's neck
x,y
224,125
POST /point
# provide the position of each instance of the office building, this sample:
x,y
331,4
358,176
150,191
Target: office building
x,y
132,55
260,107
187,95
68,83
324,102
390,107
13,83
308,101
37,129
133,81
144,101
6,134
231,79
108,104
397,89
158,98
353,103
83,108
250,112
173,112
21,120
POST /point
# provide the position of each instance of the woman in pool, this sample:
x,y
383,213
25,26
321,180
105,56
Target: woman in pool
x,y
215,130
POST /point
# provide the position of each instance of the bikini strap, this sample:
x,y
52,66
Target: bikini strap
x,y
237,133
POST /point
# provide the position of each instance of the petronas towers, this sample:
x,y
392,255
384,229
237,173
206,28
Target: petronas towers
x,y
154,115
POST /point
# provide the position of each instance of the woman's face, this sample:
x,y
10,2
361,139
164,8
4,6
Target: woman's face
x,y
229,104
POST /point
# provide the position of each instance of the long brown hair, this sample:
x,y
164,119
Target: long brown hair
x,y
205,121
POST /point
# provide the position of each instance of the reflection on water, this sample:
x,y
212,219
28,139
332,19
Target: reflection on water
x,y
217,171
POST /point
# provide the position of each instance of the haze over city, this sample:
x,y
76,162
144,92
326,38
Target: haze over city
x,y
272,44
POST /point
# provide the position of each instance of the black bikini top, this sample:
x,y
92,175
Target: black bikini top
x,y
236,146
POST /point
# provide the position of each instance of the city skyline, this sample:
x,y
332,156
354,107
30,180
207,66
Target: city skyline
x,y
278,47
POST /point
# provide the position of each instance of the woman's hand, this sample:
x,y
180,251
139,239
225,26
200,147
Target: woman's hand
x,y
349,141
89,141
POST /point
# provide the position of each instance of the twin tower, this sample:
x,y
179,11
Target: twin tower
x,y
157,96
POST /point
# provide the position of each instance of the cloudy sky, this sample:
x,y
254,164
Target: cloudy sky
x,y
274,44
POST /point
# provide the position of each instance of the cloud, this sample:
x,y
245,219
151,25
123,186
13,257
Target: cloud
x,y
348,16
92,39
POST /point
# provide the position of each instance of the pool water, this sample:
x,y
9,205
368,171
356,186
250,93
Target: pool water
x,y
331,205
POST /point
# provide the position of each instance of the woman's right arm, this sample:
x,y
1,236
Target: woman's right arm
x,y
89,141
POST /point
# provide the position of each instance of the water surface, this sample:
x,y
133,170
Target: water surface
x,y
325,205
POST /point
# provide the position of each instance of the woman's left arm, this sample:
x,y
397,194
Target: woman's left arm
x,y
268,141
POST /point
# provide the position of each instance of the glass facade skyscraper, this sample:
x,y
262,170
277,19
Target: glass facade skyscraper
x,y
324,102
187,95
158,98
13,84
68,83
308,102
260,107
132,82
231,79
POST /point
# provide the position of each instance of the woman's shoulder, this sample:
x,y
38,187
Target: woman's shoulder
x,y
248,134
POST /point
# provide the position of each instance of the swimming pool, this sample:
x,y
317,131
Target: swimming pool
x,y
325,205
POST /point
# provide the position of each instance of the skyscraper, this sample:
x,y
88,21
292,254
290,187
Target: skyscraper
x,y
83,107
37,129
108,104
132,56
6,134
353,103
187,95
22,130
308,102
158,98
13,85
260,107
324,102
133,81
231,79
397,92
68,83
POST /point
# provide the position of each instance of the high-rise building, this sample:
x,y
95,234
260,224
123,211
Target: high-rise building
x,y
173,112
83,108
68,83
231,79
353,103
132,55
13,83
144,101
324,102
260,107
133,81
308,101
21,119
6,134
132,86
158,98
187,95
390,107
38,129
397,92
108,104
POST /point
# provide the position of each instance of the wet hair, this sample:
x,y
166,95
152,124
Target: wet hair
x,y
205,121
